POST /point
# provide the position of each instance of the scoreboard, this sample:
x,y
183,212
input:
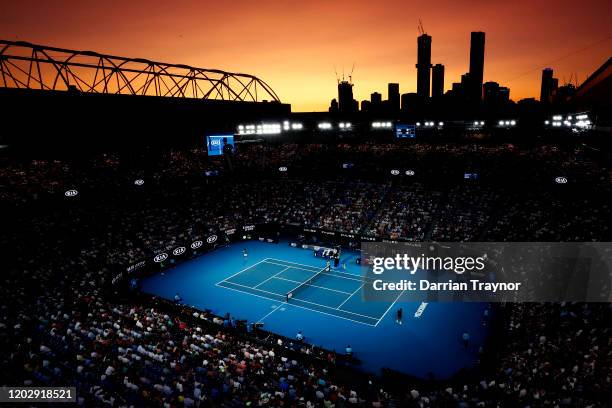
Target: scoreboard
x,y
403,131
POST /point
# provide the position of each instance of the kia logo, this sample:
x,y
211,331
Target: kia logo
x,y
139,182
196,244
560,180
178,251
282,169
211,239
395,172
160,257
410,172
215,142
71,193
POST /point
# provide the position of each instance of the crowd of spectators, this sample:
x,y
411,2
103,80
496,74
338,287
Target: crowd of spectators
x,y
58,326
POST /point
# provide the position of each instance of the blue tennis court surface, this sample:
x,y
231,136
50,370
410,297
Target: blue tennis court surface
x,y
327,306
332,292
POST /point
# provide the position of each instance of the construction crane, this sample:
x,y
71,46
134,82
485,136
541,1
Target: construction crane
x,y
350,76
420,27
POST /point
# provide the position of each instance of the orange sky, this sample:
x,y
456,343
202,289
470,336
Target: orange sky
x,y
294,45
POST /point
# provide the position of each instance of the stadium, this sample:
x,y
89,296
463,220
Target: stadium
x,y
180,236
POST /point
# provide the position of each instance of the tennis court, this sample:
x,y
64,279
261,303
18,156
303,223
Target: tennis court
x,y
325,291
327,307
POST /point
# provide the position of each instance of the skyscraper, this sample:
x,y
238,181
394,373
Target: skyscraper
x,y
333,106
494,95
345,97
365,105
410,102
548,87
437,81
375,98
477,50
394,97
423,65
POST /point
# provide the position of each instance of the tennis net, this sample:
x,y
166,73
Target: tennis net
x,y
307,282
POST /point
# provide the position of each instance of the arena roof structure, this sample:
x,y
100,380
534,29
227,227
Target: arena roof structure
x,y
78,100
32,66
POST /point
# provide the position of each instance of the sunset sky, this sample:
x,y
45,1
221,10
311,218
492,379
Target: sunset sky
x,y
295,45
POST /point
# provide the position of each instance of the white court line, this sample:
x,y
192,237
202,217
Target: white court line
x,y
273,310
331,308
310,284
252,288
353,278
300,307
245,269
345,300
294,263
271,277
336,273
389,308
300,300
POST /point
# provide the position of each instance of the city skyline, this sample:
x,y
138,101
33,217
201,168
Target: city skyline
x,y
295,49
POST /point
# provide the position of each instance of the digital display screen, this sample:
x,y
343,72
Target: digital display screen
x,y
471,176
404,131
215,144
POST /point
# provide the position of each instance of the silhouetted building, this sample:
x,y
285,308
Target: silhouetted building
x,y
410,102
345,97
423,65
333,107
437,81
548,87
564,93
477,50
365,105
491,93
393,97
504,95
495,95
465,84
375,98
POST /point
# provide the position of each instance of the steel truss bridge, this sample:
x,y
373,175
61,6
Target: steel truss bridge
x,y
29,66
